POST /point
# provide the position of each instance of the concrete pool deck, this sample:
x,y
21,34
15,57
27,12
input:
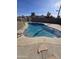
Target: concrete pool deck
x,y
27,46
27,40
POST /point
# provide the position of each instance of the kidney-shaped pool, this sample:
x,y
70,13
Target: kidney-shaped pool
x,y
39,29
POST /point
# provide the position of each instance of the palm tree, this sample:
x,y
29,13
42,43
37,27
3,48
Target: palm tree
x,y
59,12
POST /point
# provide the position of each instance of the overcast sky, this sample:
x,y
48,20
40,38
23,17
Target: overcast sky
x,y
25,7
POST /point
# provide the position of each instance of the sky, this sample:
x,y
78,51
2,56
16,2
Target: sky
x,y
40,7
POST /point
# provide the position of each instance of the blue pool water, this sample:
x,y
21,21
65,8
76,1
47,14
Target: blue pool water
x,y
39,29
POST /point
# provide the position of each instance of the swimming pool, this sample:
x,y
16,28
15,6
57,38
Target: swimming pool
x,y
40,29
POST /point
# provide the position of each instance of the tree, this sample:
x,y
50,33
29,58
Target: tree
x,y
33,14
48,14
